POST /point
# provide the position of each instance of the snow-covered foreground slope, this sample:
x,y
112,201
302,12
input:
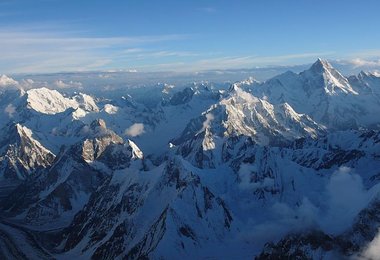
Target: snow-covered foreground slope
x,y
166,212
284,168
259,195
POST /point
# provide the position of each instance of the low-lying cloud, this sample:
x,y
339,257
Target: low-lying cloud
x,y
341,200
71,84
207,122
135,130
364,63
10,110
346,197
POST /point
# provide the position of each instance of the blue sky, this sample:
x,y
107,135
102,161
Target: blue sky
x,y
56,35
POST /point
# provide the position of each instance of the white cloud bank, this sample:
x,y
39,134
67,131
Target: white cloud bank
x,y
207,122
10,110
346,197
46,50
135,130
358,62
343,197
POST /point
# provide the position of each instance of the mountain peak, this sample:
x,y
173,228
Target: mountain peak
x,y
367,74
182,97
7,81
98,123
321,74
235,88
14,132
136,152
23,131
48,101
23,154
321,65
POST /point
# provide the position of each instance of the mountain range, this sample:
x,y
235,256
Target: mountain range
x,y
285,168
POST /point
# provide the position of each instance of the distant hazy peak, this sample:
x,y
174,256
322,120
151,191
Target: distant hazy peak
x,y
7,81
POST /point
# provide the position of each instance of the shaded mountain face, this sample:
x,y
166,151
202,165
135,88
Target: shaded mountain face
x,y
284,168
21,155
76,172
120,218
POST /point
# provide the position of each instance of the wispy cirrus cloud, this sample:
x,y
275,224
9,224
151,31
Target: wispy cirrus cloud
x,y
360,62
208,9
41,51
236,62
366,54
364,59
46,48
145,53
25,38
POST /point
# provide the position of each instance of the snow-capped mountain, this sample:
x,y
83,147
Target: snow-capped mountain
x,y
47,101
147,214
288,167
76,172
240,114
6,81
325,95
21,154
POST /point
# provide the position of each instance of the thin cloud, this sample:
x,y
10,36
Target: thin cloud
x,y
207,9
135,130
133,50
10,110
237,62
358,62
42,50
50,52
149,54
366,54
